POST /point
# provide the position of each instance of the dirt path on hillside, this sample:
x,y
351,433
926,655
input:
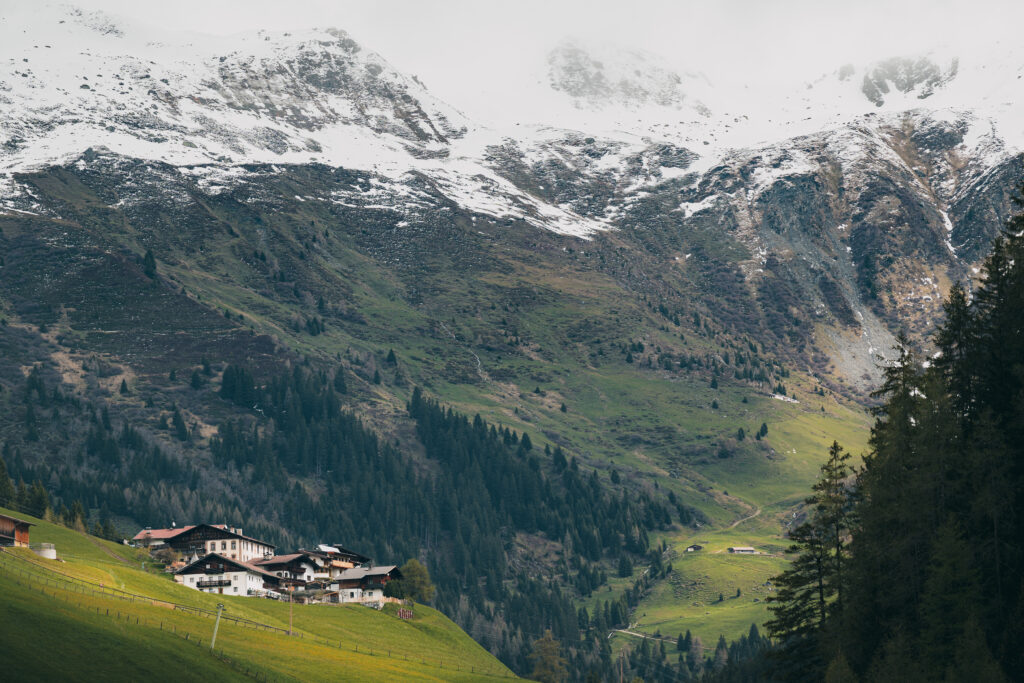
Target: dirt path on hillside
x,y
107,550
641,635
744,519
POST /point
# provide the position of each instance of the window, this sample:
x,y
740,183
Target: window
x,y
236,589
223,545
232,545
191,579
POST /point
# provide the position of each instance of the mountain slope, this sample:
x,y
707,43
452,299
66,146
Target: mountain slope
x,y
627,294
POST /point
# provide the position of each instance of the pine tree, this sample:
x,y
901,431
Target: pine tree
x,y
180,429
7,491
149,264
839,671
696,655
721,654
949,598
809,591
548,662
340,385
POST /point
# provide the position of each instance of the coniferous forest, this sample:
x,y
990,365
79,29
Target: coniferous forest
x,y
912,567
909,565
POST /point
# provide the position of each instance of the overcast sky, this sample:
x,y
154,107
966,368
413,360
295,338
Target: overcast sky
x,y
461,47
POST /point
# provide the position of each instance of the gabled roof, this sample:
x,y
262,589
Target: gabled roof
x,y
230,533
281,559
335,549
357,573
17,521
160,534
244,566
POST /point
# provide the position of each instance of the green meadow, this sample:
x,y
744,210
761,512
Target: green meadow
x,y
106,635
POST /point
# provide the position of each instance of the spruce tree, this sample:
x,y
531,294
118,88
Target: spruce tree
x,y
7,491
149,264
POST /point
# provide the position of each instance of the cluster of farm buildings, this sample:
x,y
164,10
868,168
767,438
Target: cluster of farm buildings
x,y
217,558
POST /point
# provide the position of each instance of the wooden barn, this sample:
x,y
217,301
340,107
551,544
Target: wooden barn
x,y
14,531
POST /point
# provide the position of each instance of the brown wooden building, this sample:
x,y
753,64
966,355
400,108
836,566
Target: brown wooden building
x,y
14,531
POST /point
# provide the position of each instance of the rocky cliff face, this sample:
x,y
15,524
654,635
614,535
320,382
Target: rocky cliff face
x,y
824,243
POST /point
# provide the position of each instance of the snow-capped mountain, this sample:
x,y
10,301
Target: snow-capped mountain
x,y
76,81
865,165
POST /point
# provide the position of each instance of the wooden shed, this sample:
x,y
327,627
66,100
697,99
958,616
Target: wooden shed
x,y
14,531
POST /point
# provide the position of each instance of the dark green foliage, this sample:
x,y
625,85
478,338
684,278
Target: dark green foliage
x,y
178,423
124,388
149,264
484,486
933,588
415,583
238,386
810,590
340,385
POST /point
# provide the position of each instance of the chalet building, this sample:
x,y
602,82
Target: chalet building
x,y
333,560
294,569
203,539
223,575
364,584
742,550
14,532
694,548
155,539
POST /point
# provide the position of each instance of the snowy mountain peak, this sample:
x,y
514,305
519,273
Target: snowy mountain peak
x,y
72,79
599,77
918,77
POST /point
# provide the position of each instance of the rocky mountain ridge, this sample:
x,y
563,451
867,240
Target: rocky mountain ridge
x,y
864,222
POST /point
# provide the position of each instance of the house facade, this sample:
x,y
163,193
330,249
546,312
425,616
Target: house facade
x,y
202,539
294,569
365,584
222,575
742,550
14,532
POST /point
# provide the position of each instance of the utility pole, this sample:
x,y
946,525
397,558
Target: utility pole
x,y
291,604
213,641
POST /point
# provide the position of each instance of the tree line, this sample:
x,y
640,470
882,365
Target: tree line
x,y
912,566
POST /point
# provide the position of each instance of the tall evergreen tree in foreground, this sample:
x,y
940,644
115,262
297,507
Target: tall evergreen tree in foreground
x,y
810,590
931,584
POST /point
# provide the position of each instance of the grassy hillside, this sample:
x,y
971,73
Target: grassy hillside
x,y
114,636
770,492
641,363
